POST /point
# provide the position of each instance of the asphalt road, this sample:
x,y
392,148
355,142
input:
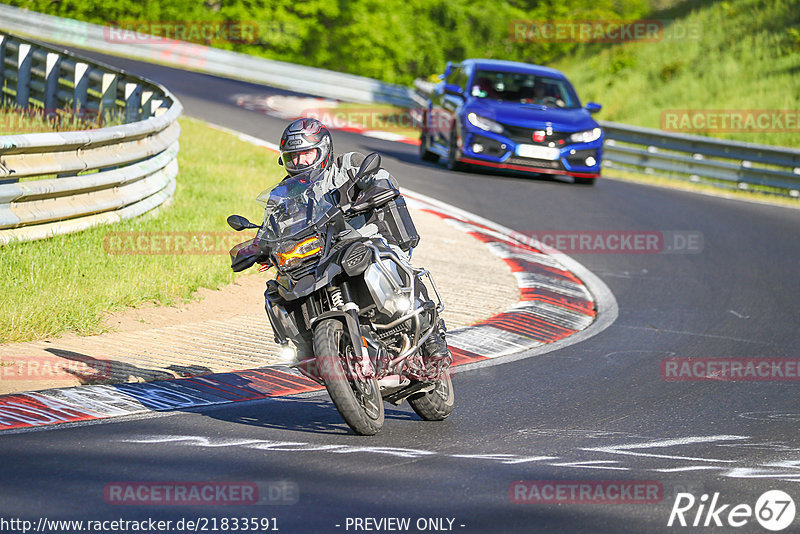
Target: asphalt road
x,y
598,410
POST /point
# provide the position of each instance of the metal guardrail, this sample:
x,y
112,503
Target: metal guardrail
x,y
688,157
308,80
695,158
56,183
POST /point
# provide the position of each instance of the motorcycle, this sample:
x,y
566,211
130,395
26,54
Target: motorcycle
x,y
355,311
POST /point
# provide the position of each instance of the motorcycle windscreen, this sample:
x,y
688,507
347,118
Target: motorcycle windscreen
x,y
294,204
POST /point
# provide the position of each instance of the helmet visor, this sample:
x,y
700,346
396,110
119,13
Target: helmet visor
x,y
299,160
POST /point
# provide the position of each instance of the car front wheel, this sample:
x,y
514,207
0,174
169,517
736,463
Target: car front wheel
x,y
454,153
424,148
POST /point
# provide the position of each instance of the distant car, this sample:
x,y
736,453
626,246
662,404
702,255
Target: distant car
x,y
513,116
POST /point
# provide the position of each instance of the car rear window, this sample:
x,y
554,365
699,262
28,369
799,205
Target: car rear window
x,y
524,88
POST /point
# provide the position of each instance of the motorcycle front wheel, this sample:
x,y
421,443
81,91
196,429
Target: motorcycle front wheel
x,y
359,401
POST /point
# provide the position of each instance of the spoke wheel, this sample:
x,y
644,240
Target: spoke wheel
x,y
358,399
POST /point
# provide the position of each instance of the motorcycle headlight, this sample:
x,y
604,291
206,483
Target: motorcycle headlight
x,y
484,124
302,250
586,136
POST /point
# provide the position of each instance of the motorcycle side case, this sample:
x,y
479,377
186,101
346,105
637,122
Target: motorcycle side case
x,y
394,216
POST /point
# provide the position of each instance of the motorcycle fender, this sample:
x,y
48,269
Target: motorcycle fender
x,y
282,324
325,277
352,328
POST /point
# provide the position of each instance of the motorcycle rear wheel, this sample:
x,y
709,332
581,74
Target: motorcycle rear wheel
x,y
359,401
437,404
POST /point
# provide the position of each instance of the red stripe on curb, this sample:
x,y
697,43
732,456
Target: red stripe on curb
x,y
530,326
551,297
280,383
522,266
461,356
22,410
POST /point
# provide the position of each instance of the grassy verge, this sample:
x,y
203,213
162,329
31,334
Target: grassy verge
x,y
66,283
17,121
735,55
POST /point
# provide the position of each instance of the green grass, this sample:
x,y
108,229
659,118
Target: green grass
x,y
746,57
66,283
14,120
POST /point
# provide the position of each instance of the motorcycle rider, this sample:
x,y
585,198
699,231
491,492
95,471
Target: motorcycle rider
x,y
306,144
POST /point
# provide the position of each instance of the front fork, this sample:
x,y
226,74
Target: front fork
x,y
342,308
342,300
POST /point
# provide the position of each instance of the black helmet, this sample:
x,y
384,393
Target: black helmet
x,y
303,135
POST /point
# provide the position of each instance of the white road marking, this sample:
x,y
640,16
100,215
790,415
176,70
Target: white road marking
x,y
592,464
785,470
508,459
690,468
697,334
628,449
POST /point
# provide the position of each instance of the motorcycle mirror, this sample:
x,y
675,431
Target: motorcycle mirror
x,y
239,223
370,166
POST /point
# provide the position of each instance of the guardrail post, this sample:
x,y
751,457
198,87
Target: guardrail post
x,y
24,57
133,101
3,40
81,82
147,104
51,74
108,90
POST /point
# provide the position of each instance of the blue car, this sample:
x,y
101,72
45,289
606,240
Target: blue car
x,y
512,116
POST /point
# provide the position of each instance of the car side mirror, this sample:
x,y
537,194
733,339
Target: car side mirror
x,y
453,89
593,107
239,223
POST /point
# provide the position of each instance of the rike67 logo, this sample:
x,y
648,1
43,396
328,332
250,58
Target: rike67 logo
x,y
774,510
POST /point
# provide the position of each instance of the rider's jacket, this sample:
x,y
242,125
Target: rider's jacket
x,y
344,169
